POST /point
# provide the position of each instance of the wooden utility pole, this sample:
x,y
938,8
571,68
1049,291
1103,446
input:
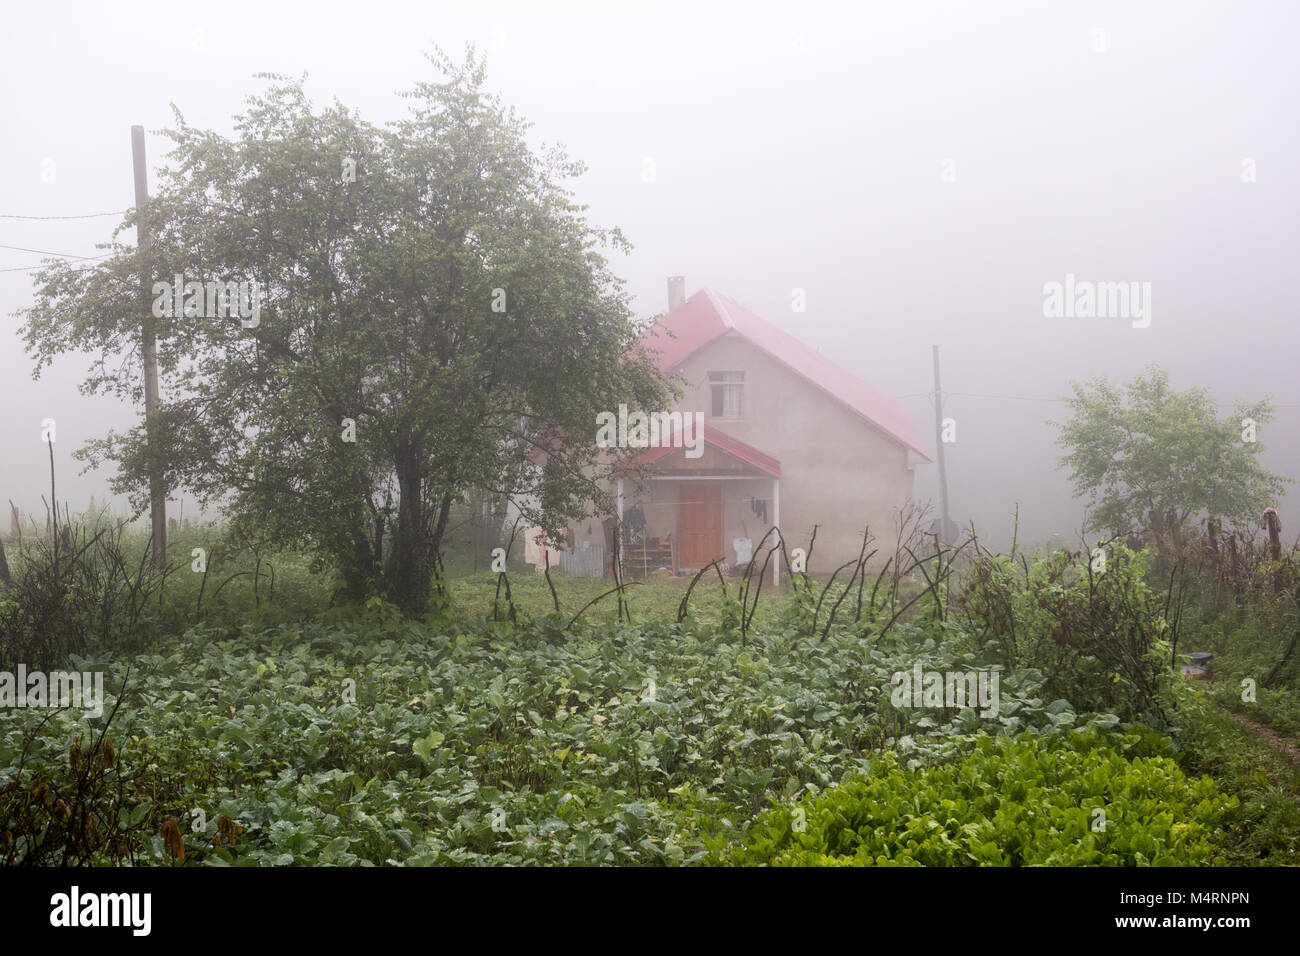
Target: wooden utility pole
x,y
938,435
157,489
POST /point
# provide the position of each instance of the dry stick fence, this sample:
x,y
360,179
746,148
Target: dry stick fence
x,y
624,609
1232,566
944,558
503,579
751,587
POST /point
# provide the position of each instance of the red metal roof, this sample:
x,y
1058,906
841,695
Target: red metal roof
x,y
723,442
708,315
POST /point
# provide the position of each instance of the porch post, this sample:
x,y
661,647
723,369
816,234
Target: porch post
x,y
618,532
776,520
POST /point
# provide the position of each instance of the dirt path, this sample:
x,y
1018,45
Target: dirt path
x,y
1269,736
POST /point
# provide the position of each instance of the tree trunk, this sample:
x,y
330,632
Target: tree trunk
x,y
410,563
356,564
444,512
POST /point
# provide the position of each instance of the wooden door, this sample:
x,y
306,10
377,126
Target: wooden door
x,y
699,523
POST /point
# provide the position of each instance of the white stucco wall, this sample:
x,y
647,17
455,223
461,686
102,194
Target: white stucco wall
x,y
838,471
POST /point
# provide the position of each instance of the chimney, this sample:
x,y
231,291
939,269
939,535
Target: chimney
x,y
676,292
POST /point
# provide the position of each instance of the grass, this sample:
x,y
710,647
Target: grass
x,y
1265,829
657,598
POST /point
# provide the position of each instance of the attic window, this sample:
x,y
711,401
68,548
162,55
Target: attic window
x,y
726,387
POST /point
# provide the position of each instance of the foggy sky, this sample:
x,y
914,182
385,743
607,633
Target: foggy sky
x,y
795,146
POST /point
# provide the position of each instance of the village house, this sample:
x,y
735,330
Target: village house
x,y
789,439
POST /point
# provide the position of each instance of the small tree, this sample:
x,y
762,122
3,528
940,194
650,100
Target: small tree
x,y
1151,458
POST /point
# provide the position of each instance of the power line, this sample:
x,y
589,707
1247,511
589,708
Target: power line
x,y
1032,398
39,268
46,252
57,255
89,215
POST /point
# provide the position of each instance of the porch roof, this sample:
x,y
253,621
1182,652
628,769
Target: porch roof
x,y
724,443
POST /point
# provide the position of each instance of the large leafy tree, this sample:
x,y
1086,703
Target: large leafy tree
x,y
1150,458
431,280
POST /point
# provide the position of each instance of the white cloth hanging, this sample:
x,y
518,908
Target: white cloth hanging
x,y
535,551
532,545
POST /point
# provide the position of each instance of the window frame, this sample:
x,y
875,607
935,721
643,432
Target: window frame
x,y
720,381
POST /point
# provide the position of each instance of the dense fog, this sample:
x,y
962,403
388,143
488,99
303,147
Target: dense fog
x,y
917,173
